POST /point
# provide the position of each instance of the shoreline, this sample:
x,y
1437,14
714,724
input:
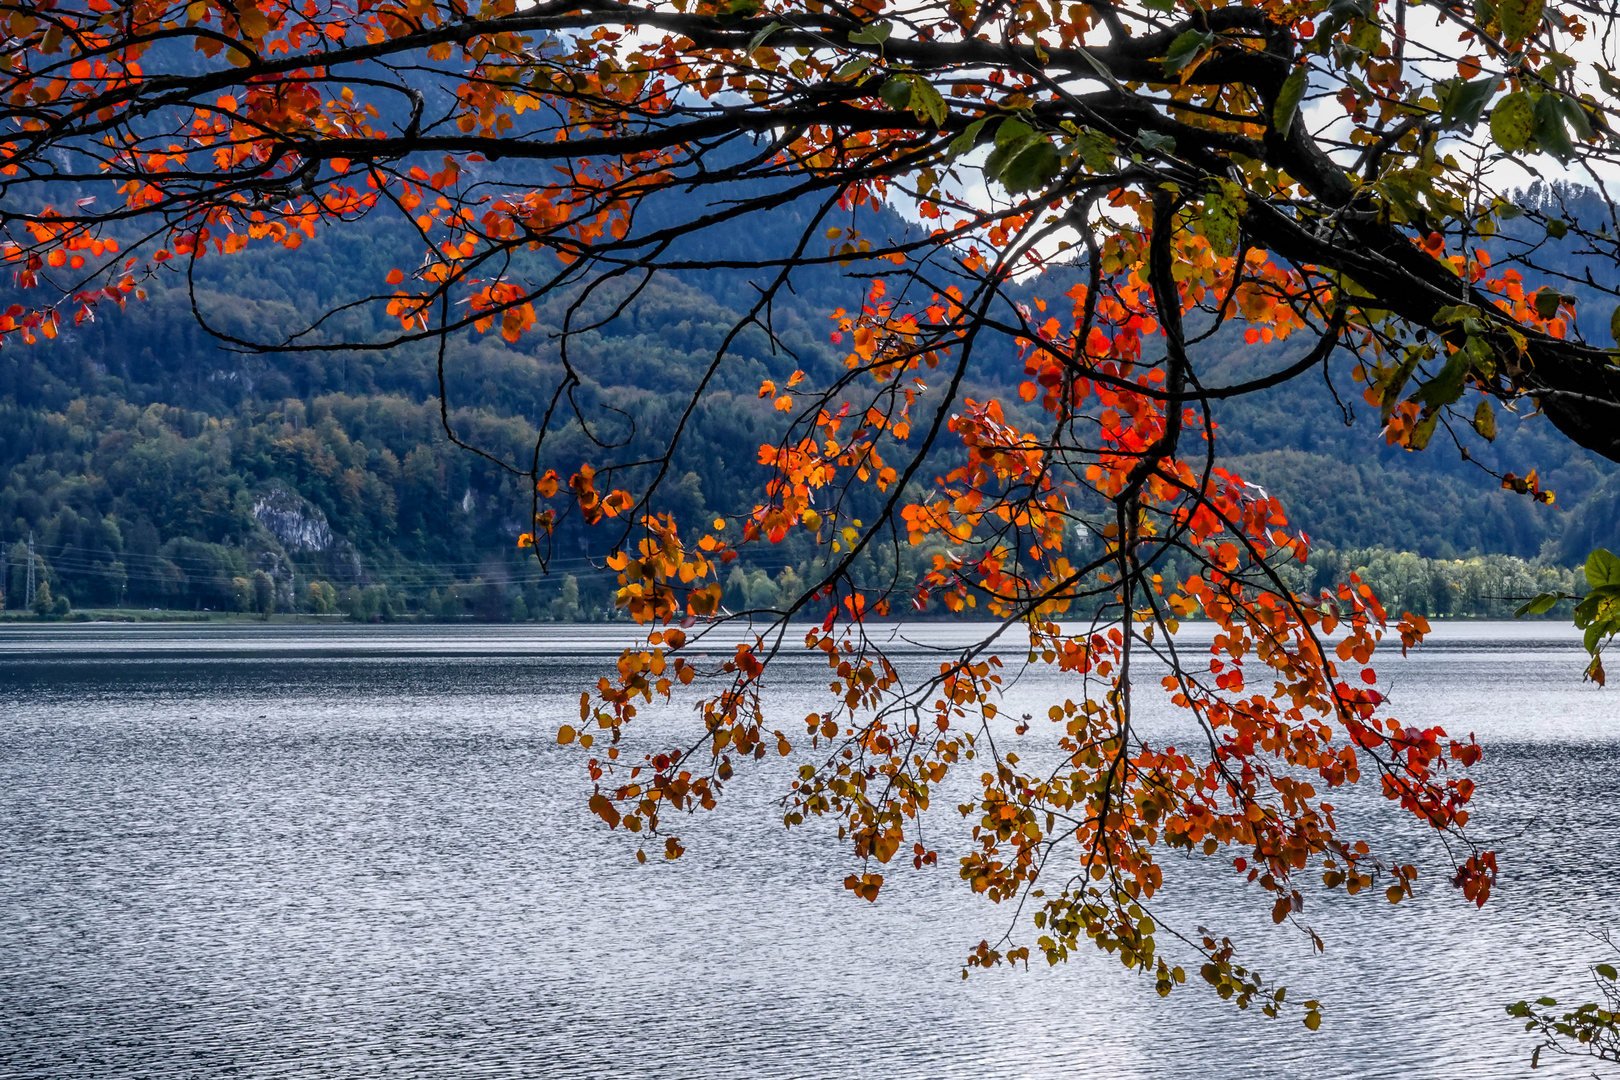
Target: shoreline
x,y
129,616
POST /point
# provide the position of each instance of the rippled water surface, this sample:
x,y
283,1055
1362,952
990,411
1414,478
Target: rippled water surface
x,y
359,852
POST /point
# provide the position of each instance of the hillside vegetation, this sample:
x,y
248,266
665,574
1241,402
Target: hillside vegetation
x,y
155,467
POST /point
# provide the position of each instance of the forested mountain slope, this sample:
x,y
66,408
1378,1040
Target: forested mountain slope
x,y
156,467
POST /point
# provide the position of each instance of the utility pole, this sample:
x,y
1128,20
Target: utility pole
x,y
29,601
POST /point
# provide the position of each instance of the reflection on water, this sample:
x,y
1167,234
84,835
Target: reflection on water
x,y
355,852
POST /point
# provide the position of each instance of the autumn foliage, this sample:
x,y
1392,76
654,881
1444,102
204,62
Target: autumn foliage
x,y
1166,153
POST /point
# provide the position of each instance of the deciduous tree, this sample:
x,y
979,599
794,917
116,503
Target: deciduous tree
x,y
1330,175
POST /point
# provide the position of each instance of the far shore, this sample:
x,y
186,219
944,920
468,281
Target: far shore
x,y
108,616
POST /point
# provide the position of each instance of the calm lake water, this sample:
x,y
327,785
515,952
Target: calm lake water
x,y
359,852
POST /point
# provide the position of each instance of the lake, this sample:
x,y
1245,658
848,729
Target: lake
x,y
354,851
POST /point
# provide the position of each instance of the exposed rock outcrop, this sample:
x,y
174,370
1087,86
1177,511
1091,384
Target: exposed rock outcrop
x,y
292,519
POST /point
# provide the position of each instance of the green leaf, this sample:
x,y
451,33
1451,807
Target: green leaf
x,y
1152,140
1579,122
1338,13
1224,204
853,68
1614,324
1288,99
1602,568
968,139
1366,36
1485,420
1521,19
1607,80
1390,388
1607,971
1032,165
1546,300
1011,137
1550,131
1185,49
872,34
759,38
926,102
1447,386
1424,431
1161,5
1011,130
1556,228
1344,9
1099,67
896,92
1463,103
1097,151
1513,122
1539,605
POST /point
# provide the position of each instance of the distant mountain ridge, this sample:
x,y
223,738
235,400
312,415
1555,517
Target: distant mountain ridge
x,y
154,467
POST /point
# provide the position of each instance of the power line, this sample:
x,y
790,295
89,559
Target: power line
x,y
76,561
87,560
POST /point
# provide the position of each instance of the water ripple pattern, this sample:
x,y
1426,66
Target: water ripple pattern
x,y
358,852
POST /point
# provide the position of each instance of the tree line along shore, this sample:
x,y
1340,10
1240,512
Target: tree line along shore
x,y
1480,587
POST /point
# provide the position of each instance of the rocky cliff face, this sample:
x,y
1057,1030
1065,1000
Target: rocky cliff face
x,y
297,527
297,523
